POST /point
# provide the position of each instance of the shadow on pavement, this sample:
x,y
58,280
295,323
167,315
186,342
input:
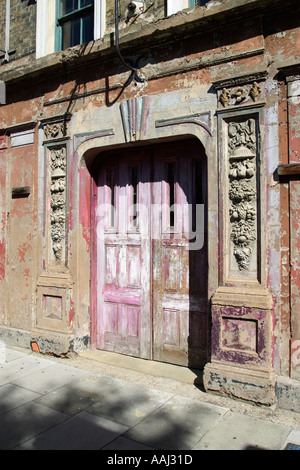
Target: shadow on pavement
x,y
95,412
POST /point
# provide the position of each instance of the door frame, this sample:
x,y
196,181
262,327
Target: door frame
x,y
88,150
98,162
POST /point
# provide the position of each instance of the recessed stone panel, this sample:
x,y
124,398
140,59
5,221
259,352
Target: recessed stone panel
x,y
239,334
53,307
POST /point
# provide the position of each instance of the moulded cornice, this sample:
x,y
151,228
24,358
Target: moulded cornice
x,y
138,37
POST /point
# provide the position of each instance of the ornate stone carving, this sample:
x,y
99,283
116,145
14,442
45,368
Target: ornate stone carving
x,y
225,96
241,134
242,189
55,130
58,199
239,94
234,96
255,91
56,127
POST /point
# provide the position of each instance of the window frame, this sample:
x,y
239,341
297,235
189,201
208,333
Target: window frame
x,y
174,6
46,25
62,19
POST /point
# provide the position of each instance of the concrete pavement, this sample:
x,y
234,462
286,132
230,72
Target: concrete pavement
x,y
87,403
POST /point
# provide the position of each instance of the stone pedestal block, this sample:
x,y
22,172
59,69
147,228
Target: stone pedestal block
x,y
241,360
238,382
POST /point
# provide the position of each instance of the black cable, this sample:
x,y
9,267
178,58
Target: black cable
x,y
130,67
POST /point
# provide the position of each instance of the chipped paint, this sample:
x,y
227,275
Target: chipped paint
x,y
255,325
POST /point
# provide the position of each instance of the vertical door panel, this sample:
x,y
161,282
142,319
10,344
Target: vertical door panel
x,y
179,273
123,257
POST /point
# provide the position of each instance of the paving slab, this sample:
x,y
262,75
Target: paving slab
x,y
12,396
122,443
50,378
83,431
237,431
177,425
130,404
25,422
12,354
46,403
21,367
81,394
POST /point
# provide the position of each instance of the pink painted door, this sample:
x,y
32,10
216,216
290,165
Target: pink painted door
x,y
152,279
179,256
124,254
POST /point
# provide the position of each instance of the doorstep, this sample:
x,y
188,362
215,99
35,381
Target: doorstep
x,y
153,368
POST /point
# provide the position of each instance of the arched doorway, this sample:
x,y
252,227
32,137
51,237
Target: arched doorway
x,y
151,252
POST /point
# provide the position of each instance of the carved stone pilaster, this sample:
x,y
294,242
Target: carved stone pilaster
x,y
55,141
58,163
54,306
242,190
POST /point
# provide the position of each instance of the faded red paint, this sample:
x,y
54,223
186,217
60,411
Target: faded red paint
x,y
295,147
193,64
238,332
26,275
295,357
2,261
71,312
3,142
2,245
22,251
85,205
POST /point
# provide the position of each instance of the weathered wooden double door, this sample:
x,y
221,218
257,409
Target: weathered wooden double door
x,y
151,271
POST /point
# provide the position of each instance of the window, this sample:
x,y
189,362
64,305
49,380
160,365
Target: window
x,y
176,5
48,29
75,22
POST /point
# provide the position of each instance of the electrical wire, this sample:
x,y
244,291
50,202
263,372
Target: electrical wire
x,y
134,70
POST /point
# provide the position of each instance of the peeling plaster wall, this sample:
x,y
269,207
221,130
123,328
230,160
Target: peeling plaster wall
x,y
3,223
294,151
182,83
272,215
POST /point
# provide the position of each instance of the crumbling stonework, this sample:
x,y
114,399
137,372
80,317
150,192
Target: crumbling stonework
x,y
222,79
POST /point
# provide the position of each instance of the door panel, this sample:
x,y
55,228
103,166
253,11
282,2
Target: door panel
x,y
152,288
180,273
123,257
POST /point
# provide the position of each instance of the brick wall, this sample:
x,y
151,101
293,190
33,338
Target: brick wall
x,y
22,27
2,25
23,19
